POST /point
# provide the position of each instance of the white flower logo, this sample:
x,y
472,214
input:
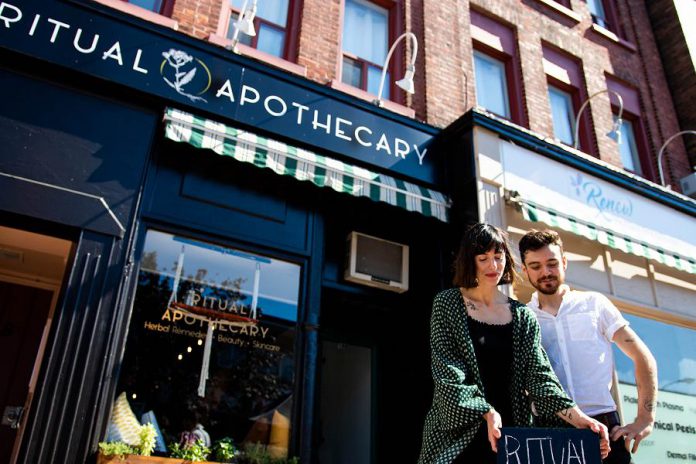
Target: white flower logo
x,y
178,59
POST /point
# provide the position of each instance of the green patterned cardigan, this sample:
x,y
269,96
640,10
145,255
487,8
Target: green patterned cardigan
x,y
458,402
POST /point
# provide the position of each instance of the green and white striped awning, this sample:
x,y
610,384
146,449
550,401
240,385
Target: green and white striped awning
x,y
302,164
536,213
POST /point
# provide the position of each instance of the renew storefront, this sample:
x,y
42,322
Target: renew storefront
x,y
624,237
186,239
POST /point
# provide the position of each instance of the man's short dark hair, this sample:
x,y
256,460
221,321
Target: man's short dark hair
x,y
477,240
537,239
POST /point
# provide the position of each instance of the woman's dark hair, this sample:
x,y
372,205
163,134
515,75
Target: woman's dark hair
x,y
477,240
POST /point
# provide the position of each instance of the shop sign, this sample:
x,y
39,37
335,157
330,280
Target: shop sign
x,y
673,438
70,35
587,198
542,445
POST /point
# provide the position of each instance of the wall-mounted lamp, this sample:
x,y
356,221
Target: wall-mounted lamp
x,y
615,132
406,82
244,23
662,149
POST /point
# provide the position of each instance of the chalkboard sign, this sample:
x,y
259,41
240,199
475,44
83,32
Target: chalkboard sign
x,y
548,446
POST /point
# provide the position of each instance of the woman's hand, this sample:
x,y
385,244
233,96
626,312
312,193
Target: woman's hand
x,y
575,417
494,423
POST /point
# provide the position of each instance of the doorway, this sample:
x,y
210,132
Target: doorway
x,y
346,403
32,267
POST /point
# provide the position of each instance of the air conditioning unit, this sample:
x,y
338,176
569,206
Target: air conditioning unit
x,y
688,185
376,262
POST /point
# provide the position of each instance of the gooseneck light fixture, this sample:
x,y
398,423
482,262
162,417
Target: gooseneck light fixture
x,y
615,132
406,83
244,23
662,149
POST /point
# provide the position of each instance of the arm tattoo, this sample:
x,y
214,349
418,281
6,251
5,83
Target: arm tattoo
x,y
649,406
567,413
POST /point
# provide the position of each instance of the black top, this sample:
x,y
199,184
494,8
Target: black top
x,y
493,348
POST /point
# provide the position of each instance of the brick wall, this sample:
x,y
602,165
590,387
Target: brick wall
x,y
198,18
679,67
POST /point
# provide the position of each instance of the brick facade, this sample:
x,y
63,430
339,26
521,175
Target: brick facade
x,y
445,86
678,64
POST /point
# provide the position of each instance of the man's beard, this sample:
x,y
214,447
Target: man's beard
x,y
543,285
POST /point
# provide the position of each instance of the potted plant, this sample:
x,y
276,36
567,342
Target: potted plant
x,y
120,451
225,451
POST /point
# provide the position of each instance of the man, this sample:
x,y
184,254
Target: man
x,y
577,329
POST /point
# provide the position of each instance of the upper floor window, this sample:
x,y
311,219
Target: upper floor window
x,y
491,84
366,35
604,14
563,114
163,7
566,92
628,148
272,23
633,148
496,68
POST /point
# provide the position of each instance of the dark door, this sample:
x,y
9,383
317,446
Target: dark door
x,y
23,313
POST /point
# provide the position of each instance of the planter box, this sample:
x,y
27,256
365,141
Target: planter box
x,y
136,459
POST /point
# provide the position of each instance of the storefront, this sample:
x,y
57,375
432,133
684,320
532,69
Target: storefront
x,y
181,223
624,237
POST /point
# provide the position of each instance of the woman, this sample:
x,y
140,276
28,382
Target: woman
x,y
487,362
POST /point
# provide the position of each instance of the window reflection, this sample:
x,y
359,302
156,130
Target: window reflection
x,y
674,349
241,385
491,84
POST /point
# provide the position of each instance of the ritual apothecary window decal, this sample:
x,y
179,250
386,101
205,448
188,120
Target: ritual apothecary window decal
x,y
211,342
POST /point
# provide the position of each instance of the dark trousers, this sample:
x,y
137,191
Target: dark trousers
x,y
618,454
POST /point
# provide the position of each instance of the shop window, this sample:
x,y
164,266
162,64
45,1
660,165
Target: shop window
x,y
272,24
674,349
496,68
187,291
563,114
163,7
367,31
491,84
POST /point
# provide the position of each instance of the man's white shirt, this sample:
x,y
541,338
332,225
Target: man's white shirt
x,y
578,341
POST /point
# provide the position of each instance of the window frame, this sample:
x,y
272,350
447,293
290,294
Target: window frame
x,y
395,25
641,141
632,112
565,3
299,411
574,84
610,19
292,24
166,8
508,54
572,94
503,59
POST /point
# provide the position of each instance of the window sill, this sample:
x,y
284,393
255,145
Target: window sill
x,y
611,36
259,55
363,95
562,10
140,12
